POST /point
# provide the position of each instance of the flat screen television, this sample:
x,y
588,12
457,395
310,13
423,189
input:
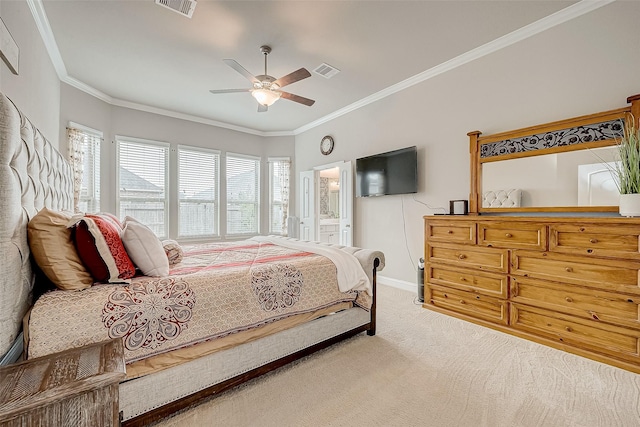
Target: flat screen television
x,y
394,172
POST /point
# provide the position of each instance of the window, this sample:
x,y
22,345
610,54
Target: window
x,y
197,192
279,170
84,155
142,172
243,194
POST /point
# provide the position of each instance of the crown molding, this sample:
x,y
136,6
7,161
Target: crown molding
x,y
42,23
543,24
575,10
188,117
86,88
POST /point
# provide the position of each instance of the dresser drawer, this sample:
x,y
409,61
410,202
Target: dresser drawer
x,y
450,231
603,274
474,305
488,259
515,235
602,338
614,240
609,307
468,280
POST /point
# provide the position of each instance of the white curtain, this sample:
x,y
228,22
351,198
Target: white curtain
x,y
284,185
75,149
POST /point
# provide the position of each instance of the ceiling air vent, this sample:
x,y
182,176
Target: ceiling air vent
x,y
326,70
183,7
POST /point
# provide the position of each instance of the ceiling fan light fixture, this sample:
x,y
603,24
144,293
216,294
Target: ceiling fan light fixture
x,y
265,96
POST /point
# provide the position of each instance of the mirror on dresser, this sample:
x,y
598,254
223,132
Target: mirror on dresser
x,y
563,166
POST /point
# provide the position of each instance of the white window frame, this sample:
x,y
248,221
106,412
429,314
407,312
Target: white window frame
x,y
258,161
140,141
216,202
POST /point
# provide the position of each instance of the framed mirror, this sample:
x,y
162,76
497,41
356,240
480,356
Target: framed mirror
x,y
563,166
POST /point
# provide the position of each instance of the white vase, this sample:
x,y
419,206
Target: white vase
x,y
630,205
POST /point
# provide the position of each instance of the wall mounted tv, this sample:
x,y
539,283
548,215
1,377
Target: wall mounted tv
x,y
394,172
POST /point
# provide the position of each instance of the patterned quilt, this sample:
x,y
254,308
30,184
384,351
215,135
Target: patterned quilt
x,y
218,289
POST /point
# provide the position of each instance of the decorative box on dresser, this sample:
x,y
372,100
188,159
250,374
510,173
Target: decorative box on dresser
x,y
568,282
74,388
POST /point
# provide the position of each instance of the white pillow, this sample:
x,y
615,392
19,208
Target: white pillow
x,y
144,248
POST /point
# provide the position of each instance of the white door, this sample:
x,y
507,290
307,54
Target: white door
x,y
307,205
346,204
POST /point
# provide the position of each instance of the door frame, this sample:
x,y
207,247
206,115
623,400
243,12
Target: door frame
x,y
340,165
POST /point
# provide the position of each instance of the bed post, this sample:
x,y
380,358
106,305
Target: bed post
x,y
372,325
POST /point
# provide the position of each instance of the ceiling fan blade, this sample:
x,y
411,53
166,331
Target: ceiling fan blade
x,y
239,68
229,90
262,108
296,98
297,75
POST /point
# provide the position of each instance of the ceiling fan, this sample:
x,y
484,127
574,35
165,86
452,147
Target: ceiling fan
x,y
266,89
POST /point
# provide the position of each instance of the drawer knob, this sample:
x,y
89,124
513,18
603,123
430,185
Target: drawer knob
x,y
507,235
568,299
462,302
462,279
568,269
568,329
449,231
593,240
462,256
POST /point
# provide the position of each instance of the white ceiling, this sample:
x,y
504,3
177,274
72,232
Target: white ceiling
x,y
136,53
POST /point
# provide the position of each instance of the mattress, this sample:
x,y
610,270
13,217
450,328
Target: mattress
x,y
219,289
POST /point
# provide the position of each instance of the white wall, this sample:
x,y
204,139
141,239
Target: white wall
x,y
587,65
36,89
113,121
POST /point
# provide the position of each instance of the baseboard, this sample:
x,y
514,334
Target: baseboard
x,y
400,284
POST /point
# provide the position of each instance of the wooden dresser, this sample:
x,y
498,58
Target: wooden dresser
x,y
570,283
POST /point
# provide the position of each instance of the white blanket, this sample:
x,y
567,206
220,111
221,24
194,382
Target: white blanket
x,y
351,275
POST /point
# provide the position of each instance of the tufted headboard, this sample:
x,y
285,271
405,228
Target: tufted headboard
x,y
33,174
511,198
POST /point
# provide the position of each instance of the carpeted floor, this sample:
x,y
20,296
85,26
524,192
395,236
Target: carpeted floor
x,y
427,369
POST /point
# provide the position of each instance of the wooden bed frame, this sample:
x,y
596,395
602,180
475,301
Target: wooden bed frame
x,y
33,175
202,395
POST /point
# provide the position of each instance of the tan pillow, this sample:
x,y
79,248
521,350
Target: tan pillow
x,y
173,250
54,252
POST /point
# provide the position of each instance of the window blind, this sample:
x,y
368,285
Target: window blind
x,y
198,193
243,194
142,168
279,170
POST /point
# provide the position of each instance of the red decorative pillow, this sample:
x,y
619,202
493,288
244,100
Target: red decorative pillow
x,y
98,242
111,218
